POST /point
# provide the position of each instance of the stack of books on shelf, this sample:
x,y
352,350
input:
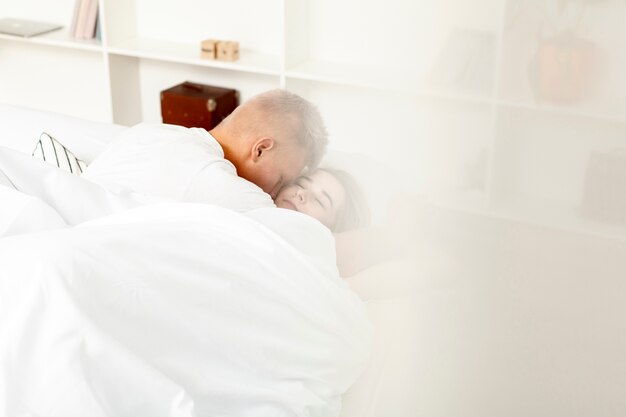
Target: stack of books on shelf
x,y
85,21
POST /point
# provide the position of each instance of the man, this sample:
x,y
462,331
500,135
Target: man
x,y
271,138
267,141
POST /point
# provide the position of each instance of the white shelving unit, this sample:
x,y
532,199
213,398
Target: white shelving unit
x,y
439,90
60,38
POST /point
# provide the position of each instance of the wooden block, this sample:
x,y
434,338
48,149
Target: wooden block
x,y
227,50
209,49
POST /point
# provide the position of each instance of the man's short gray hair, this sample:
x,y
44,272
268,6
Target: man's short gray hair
x,y
298,117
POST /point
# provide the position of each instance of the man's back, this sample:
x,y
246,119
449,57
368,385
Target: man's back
x,y
174,163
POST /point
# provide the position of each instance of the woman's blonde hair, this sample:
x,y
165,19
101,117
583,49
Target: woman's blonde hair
x,y
355,212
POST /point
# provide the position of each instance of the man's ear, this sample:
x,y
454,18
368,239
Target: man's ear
x,y
260,147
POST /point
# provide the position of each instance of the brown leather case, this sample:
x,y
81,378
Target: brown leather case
x,y
197,105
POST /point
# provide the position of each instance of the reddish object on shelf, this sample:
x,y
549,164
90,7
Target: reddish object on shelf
x,y
197,105
563,68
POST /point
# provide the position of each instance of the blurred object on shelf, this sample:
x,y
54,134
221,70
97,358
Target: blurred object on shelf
x,y
563,68
26,28
219,49
466,61
566,64
561,53
227,50
85,20
208,49
476,170
604,194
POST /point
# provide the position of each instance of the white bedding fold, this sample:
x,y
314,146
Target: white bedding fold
x,y
21,213
73,198
178,310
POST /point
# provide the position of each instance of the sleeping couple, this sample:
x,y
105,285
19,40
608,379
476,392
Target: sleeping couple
x,y
253,159
233,307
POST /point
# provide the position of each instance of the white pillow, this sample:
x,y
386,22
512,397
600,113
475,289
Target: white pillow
x,y
52,151
20,127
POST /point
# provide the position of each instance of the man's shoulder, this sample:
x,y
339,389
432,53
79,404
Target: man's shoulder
x,y
150,149
219,184
160,134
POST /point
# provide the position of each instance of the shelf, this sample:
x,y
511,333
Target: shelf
x,y
565,111
567,218
446,88
60,38
353,75
531,211
456,95
379,79
188,53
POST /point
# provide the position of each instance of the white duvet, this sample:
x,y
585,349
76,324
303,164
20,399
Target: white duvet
x,y
175,310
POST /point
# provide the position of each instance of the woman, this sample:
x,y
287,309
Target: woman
x,y
334,198
331,196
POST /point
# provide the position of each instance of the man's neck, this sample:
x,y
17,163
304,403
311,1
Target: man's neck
x,y
225,141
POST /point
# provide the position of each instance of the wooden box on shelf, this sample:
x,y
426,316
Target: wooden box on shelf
x,y
197,105
228,50
208,49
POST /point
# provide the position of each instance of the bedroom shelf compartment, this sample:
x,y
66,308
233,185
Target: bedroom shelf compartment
x,y
37,74
136,84
378,75
537,33
173,31
60,38
189,54
558,148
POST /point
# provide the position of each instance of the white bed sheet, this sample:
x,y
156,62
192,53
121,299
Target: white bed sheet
x,y
20,129
178,310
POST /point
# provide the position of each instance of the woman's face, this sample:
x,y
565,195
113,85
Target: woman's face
x,y
318,194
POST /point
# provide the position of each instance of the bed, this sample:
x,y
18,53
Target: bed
x,y
375,356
